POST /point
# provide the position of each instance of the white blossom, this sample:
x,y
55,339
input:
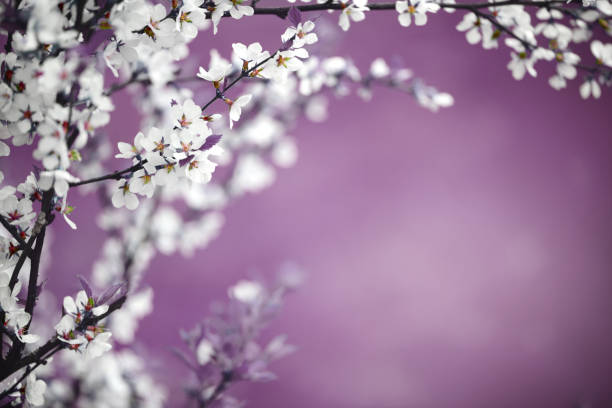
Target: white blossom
x,y
123,196
352,12
602,52
216,72
246,291
302,34
419,9
236,108
590,87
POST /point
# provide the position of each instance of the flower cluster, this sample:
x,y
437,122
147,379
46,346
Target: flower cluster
x,y
553,33
39,102
124,375
31,393
225,348
185,146
162,157
78,329
15,318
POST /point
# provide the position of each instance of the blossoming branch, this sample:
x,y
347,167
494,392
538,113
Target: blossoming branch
x,y
195,153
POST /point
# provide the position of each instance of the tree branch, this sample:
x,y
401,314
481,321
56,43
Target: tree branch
x,y
243,74
283,11
113,176
47,199
27,372
53,345
15,234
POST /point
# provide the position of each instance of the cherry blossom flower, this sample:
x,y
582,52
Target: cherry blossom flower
x,y
77,328
354,12
475,28
143,183
236,8
33,391
130,151
24,112
200,167
204,352
65,331
98,345
566,68
216,73
602,52
8,297
419,9
190,18
590,87
283,63
302,35
18,212
20,319
58,180
16,318
218,10
6,97
246,291
249,56
123,196
189,116
83,303
156,144
552,29
236,108
522,62
379,68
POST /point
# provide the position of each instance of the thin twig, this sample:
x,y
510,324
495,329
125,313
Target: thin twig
x,y
112,176
243,74
13,231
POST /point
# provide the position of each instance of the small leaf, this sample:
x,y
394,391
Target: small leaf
x,y
110,292
294,15
74,155
211,141
85,285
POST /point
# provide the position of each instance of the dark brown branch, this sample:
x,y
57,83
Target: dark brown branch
x,y
46,208
27,372
113,176
34,269
283,11
15,234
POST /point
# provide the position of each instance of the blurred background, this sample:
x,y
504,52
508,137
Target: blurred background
x,y
455,259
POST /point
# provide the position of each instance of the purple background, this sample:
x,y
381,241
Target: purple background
x,y
458,259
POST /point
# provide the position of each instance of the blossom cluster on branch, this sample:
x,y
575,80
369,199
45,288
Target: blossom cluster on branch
x,y
206,138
